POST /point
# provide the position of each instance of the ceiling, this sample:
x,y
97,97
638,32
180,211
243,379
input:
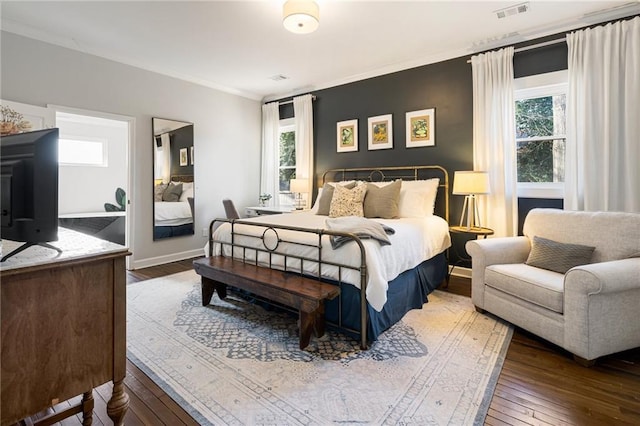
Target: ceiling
x,y
240,46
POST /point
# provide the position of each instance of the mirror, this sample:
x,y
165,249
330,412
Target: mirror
x,y
173,183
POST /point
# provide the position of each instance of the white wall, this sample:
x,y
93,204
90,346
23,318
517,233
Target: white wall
x,y
226,127
85,189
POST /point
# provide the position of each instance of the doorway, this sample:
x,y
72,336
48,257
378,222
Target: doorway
x,y
95,177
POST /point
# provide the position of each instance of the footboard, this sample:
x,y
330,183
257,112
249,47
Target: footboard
x,y
268,246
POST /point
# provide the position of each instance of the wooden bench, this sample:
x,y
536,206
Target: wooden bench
x,y
307,295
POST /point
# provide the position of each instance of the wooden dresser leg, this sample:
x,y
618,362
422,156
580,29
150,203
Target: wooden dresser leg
x,y
118,404
87,408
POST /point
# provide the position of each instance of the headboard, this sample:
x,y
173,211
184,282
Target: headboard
x,y
182,178
385,174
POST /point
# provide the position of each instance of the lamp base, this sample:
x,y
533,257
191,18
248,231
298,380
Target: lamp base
x,y
470,207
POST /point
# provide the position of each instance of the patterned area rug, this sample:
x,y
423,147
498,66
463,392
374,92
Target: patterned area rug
x,y
235,363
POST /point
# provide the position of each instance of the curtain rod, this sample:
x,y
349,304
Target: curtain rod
x,y
313,98
535,46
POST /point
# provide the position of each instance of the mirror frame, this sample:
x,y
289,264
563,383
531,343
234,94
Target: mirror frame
x,y
178,136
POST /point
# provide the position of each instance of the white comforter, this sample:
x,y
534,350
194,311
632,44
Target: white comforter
x,y
172,213
414,241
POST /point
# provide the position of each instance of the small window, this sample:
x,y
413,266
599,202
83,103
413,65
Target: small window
x,y
540,108
80,152
287,169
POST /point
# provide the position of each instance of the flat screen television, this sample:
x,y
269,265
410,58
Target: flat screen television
x,y
29,188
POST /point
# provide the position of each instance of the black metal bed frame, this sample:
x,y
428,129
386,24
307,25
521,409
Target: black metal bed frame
x,y
270,240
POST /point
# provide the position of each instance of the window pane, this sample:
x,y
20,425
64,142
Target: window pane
x,y
541,161
81,152
285,176
287,149
544,116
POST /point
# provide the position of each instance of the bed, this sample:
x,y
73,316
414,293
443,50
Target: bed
x,y
173,213
379,283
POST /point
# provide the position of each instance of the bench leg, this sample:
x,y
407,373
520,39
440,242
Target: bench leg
x,y
319,321
307,320
208,288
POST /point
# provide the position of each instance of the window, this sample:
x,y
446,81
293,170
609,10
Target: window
x,y
287,153
82,152
540,105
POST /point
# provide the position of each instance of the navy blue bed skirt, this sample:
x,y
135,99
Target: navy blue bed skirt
x,y
406,292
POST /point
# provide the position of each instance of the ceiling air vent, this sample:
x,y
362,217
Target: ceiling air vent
x,y
278,77
512,10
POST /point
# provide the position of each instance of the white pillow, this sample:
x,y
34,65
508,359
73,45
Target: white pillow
x,y
314,208
187,191
418,197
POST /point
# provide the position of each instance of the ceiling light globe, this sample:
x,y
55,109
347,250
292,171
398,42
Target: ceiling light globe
x,y
301,16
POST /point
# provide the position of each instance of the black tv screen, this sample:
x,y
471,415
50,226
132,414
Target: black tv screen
x,y
29,184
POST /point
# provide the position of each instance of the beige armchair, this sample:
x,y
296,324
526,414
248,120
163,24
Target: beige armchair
x,y
593,309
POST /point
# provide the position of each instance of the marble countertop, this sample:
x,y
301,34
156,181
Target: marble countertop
x,y
74,245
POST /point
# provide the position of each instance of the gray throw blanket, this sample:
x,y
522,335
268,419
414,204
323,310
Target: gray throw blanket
x,y
361,227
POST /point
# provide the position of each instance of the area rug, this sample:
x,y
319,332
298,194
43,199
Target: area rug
x,y
236,363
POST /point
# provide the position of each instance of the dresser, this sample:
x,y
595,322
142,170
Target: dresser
x,y
63,325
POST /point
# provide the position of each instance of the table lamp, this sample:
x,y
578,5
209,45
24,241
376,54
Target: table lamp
x,y
471,184
298,187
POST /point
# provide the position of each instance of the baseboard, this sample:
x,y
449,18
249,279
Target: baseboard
x,y
460,271
161,260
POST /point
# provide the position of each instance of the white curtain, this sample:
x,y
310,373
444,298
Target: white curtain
x,y
166,157
494,136
269,175
602,170
303,118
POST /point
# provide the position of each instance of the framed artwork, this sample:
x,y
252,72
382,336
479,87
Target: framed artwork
x,y
191,156
184,161
421,129
347,135
380,132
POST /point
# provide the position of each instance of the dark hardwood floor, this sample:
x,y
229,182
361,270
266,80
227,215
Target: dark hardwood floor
x,y
540,384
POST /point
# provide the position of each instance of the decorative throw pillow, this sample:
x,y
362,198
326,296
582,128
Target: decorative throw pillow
x,y
558,257
172,193
347,202
324,203
382,201
158,190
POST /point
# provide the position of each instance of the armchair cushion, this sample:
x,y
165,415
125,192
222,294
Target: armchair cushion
x,y
558,257
538,286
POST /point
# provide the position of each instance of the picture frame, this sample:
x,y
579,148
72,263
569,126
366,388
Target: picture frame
x,y
347,136
380,132
420,128
184,160
191,156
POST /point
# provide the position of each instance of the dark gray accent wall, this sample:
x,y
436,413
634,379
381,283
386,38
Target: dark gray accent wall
x,y
445,86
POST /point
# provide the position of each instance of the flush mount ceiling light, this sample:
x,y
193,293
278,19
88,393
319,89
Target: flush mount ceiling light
x,y
301,16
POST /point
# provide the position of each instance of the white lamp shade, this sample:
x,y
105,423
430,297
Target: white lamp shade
x,y
299,185
301,16
467,183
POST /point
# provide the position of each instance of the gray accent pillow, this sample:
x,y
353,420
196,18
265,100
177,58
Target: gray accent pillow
x,y
172,193
324,203
382,201
158,191
558,257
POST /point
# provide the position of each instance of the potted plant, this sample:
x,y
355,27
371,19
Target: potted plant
x,y
264,199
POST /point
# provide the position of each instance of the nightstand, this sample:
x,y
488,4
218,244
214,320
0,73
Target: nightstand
x,y
477,232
